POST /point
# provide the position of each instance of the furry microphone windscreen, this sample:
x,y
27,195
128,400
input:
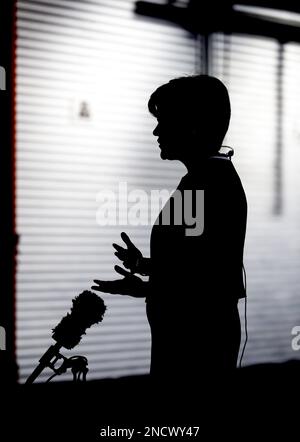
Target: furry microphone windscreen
x,y
88,309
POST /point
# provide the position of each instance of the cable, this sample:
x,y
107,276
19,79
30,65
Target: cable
x,y
51,377
246,322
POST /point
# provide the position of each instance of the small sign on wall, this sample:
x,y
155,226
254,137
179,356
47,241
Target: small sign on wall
x,y
82,111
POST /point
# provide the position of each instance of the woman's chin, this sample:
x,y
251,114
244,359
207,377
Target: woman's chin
x,y
165,155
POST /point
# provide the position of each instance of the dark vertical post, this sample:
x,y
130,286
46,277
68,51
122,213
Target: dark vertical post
x,y
7,191
206,54
198,53
278,162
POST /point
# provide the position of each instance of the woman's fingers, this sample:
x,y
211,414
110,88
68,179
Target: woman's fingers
x,y
127,240
126,262
122,271
119,255
114,287
118,248
103,286
129,285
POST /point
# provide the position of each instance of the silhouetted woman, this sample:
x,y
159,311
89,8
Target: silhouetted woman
x,y
195,281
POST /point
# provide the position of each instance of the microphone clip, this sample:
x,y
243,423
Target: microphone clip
x,y
77,364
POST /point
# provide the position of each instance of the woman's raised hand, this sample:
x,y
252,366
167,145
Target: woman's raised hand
x,y
129,256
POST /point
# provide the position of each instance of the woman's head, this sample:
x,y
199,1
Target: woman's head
x,y
193,115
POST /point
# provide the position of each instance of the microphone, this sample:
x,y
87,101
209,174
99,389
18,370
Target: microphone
x,y
87,309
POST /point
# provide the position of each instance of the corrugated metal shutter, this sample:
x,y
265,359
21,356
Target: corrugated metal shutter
x,y
98,53
265,134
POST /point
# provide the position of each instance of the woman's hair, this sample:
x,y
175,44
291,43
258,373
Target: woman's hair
x,y
200,99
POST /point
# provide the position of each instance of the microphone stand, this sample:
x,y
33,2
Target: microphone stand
x,y
78,365
87,309
51,354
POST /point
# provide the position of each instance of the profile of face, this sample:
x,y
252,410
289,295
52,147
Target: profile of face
x,y
193,115
174,136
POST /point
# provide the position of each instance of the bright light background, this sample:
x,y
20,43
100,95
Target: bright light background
x,y
100,55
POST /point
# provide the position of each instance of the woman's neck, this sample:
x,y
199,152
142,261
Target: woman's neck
x,y
195,165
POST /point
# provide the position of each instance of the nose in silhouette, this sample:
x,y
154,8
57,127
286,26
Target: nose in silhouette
x,y
156,131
